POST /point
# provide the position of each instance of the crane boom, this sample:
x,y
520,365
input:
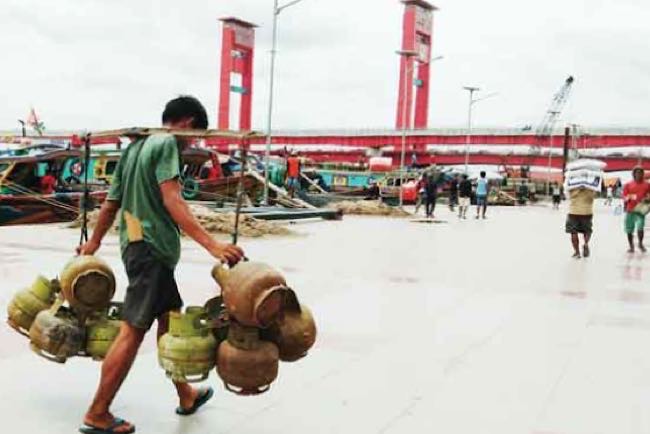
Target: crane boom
x,y
544,130
560,99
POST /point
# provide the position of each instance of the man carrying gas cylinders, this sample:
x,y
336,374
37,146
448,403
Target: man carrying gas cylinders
x,y
146,194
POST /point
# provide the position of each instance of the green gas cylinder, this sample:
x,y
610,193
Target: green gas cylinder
x,y
27,303
187,352
101,331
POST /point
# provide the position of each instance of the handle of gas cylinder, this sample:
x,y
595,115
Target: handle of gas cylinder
x,y
16,327
115,310
58,302
247,392
197,378
220,274
47,356
291,302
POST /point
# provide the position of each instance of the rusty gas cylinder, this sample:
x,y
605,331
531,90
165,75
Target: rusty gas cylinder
x,y
295,332
253,292
101,330
56,334
88,283
187,351
246,364
26,304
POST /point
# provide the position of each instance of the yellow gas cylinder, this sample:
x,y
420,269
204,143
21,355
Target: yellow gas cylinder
x,y
187,351
88,283
27,303
101,331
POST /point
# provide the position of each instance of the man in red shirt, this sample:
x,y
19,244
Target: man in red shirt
x,y
293,173
48,183
635,192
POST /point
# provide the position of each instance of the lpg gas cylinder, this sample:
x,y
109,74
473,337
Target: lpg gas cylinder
x,y
295,333
253,292
102,330
246,364
187,351
88,283
56,334
27,303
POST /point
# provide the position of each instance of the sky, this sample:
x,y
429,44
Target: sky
x,y
95,64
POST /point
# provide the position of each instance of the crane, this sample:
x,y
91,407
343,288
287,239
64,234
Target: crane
x,y
545,128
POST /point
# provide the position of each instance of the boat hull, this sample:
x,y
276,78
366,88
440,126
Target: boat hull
x,y
55,208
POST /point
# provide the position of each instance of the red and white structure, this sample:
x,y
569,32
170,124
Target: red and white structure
x,y
417,37
621,148
237,53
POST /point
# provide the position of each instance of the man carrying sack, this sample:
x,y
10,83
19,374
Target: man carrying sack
x,y
146,193
635,195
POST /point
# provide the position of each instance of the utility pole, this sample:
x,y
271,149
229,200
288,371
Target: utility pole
x,y
468,139
269,120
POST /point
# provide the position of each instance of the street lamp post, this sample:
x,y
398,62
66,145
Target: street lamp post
x,y
471,91
472,101
269,121
405,109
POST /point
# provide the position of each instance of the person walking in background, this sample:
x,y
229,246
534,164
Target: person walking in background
x,y
421,190
431,194
453,193
580,219
465,196
610,196
635,193
557,195
482,190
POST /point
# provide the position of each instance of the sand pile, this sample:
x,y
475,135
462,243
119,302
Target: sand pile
x,y
215,223
224,223
92,222
368,207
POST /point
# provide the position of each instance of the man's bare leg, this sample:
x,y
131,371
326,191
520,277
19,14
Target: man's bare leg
x,y
115,368
641,246
575,242
630,241
586,252
186,393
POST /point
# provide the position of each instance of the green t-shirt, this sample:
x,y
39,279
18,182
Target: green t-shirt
x,y
144,165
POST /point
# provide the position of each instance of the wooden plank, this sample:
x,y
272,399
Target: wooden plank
x,y
281,191
143,131
313,183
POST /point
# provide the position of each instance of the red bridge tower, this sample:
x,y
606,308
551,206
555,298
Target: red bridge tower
x,y
238,44
417,37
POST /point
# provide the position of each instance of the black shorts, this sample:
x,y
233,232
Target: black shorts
x,y
579,224
152,289
556,199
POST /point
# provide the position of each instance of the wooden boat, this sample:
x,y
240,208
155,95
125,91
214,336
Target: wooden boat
x,y
210,176
21,199
34,209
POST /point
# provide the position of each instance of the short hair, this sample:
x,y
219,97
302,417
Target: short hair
x,y
465,176
482,173
637,169
183,107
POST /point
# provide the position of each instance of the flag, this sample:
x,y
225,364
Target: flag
x,y
32,121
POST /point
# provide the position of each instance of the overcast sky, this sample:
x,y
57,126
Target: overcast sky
x,y
107,64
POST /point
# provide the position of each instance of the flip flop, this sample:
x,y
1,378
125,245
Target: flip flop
x,y
117,422
203,397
